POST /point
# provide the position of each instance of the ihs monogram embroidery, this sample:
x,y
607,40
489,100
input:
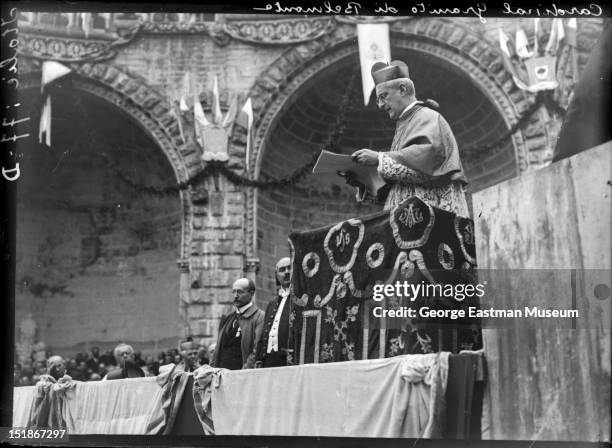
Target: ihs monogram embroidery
x,y
343,240
468,234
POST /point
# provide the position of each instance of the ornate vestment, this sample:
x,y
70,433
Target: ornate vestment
x,y
424,161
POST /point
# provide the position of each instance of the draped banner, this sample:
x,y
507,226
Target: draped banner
x,y
339,270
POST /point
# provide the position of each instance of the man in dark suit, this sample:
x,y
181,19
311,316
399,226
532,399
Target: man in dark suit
x,y
239,331
273,346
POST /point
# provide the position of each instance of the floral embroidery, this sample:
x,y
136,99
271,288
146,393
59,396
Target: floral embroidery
x,y
330,315
395,345
390,169
327,353
424,341
340,331
291,318
349,350
351,313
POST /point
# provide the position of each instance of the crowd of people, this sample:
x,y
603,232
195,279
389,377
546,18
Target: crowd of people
x,y
96,365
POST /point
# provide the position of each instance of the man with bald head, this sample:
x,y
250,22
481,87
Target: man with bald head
x,y
424,158
273,346
239,331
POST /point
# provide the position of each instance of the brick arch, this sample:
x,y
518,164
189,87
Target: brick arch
x,y
441,38
149,109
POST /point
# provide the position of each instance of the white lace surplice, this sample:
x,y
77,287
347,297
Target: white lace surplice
x,y
449,196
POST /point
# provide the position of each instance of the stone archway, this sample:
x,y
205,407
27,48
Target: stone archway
x,y
118,90
443,39
149,109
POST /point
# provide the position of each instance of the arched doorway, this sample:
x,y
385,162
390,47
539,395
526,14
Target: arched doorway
x,y
96,254
295,120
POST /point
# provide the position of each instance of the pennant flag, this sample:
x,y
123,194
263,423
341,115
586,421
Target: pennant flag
x,y
557,33
86,23
107,16
522,45
216,106
505,53
503,42
45,123
571,32
51,71
374,46
199,120
71,19
247,110
536,36
230,115
187,81
177,113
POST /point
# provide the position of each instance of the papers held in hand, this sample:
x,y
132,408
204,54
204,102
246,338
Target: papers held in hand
x,y
329,162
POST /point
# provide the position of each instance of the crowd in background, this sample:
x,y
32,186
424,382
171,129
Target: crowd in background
x,y
95,365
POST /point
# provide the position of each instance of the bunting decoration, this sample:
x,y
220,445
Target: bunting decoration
x,y
216,106
51,71
86,23
536,70
247,110
374,46
187,89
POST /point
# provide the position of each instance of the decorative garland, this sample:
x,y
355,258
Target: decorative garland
x,y
214,168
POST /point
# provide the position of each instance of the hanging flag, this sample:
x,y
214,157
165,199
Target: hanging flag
x,y
52,70
230,115
571,32
187,81
374,46
571,37
522,45
216,106
536,36
507,61
557,33
44,127
177,114
107,16
86,23
71,19
247,112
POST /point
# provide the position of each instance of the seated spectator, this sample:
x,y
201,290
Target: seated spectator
x,y
151,366
126,368
102,370
189,355
56,367
94,377
108,358
94,359
138,359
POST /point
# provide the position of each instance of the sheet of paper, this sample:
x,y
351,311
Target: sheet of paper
x,y
329,162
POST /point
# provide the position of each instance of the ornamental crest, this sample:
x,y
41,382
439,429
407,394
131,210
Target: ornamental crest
x,y
464,228
411,223
341,244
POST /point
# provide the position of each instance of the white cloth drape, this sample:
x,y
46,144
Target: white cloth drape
x,y
394,397
23,398
113,407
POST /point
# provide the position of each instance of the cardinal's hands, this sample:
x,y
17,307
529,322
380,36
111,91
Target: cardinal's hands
x,y
365,157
